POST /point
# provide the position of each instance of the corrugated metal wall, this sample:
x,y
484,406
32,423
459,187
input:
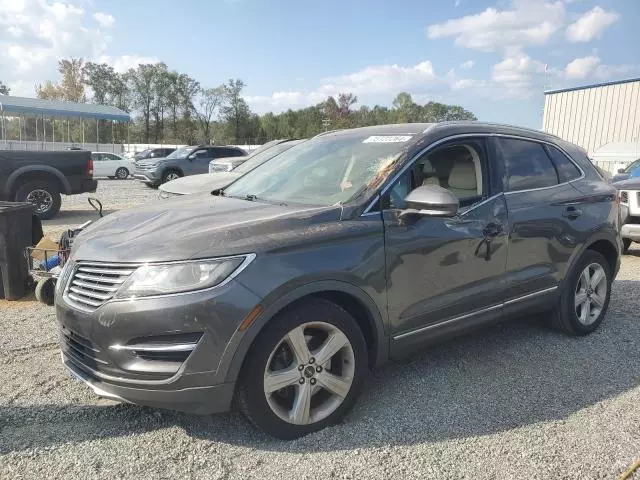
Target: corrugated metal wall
x,y
593,117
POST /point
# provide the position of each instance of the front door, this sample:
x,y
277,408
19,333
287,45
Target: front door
x,y
445,274
199,162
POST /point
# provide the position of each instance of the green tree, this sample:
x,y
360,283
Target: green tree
x,y
4,90
73,79
142,81
236,112
210,101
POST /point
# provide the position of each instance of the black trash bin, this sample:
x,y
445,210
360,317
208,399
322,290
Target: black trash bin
x,y
16,233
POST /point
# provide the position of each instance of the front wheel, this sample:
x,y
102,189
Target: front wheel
x,y
305,372
586,296
170,175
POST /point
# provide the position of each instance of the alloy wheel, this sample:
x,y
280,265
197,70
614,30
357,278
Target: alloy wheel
x,y
41,199
591,293
309,373
172,176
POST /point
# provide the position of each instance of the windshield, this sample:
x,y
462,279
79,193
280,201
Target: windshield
x,y
180,153
632,167
261,157
323,171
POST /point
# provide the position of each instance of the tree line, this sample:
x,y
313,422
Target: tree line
x,y
174,108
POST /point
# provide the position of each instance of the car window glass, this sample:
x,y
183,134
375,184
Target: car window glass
x,y
202,154
96,157
111,156
567,171
456,167
527,165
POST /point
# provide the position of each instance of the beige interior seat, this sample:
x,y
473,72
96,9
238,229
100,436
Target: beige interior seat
x,y
462,179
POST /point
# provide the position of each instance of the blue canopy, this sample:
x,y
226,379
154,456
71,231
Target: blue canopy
x,y
57,108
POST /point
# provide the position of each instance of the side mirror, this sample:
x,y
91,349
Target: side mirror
x,y
432,201
621,170
191,157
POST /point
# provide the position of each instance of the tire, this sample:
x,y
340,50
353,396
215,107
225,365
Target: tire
x,y
45,291
348,364
122,173
170,175
626,244
44,195
565,316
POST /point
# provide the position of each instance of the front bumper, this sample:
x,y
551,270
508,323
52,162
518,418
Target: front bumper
x,y
194,383
146,177
631,231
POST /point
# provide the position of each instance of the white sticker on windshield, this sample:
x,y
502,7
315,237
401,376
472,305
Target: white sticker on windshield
x,y
387,139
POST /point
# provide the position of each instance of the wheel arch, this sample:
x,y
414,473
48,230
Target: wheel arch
x,y
350,297
40,172
602,243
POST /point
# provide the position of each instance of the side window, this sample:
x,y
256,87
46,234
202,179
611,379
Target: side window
x,y
567,171
111,156
202,153
527,165
96,157
459,167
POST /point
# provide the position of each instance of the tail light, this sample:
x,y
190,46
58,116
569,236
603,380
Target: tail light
x,y
90,167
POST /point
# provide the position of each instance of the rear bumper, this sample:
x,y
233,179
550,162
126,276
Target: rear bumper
x,y
198,400
631,231
89,186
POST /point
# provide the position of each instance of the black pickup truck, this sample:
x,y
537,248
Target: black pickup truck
x,y
40,177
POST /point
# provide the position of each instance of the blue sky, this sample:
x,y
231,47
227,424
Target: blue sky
x,y
492,57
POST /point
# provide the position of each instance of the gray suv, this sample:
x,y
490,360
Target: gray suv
x,y
184,161
357,246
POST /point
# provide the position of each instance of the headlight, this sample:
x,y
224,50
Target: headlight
x,y
181,277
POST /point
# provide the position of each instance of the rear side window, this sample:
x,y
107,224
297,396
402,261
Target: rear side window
x,y
567,171
527,165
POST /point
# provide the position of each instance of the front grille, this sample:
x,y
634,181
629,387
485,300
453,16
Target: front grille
x,y
80,349
624,197
94,284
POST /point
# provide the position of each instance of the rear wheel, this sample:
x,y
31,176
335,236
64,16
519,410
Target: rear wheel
x,y
122,173
170,175
586,296
305,372
44,195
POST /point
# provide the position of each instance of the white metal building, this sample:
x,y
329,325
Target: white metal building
x,y
595,116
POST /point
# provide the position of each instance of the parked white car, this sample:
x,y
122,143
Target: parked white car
x,y
106,164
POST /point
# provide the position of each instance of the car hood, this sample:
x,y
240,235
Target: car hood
x,y
197,226
150,163
628,184
206,182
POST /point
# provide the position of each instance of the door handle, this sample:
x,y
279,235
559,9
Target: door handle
x,y
572,213
492,230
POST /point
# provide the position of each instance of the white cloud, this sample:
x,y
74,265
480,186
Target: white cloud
x,y
105,20
456,3
125,62
467,65
517,75
525,22
592,67
377,79
35,34
582,67
591,24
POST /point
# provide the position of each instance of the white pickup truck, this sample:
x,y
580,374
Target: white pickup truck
x,y
630,209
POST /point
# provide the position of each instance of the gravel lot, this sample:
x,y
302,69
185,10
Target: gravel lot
x,y
515,401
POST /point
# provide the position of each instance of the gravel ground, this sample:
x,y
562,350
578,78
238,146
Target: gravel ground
x,y
515,401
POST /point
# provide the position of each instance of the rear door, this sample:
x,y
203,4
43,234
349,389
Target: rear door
x,y
100,167
542,207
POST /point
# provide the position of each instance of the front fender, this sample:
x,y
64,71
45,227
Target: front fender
x,y
28,169
240,343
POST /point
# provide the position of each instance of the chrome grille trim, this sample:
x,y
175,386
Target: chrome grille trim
x,y
92,284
